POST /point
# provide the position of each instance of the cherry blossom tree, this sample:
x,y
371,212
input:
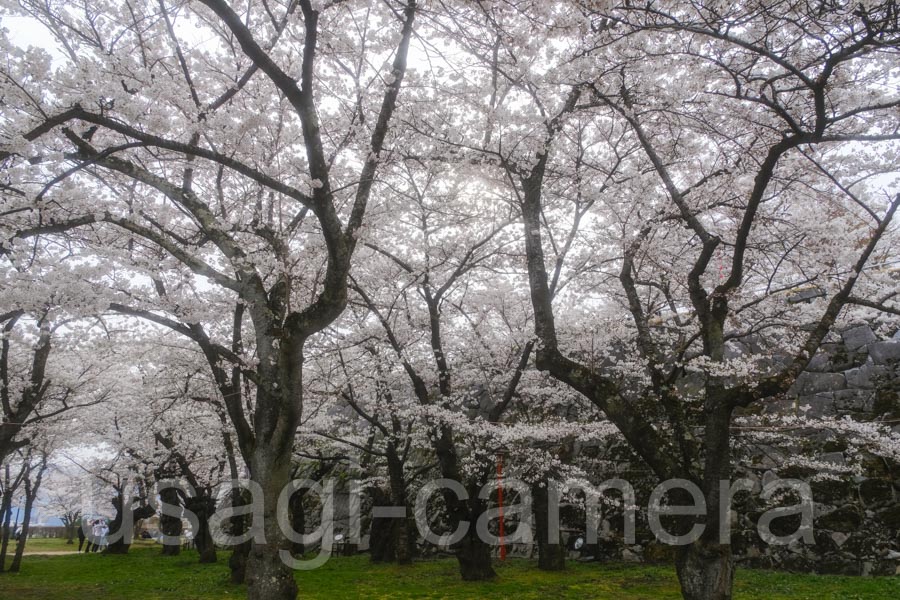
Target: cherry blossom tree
x,y
33,469
773,123
361,417
743,121
667,208
64,497
216,153
40,382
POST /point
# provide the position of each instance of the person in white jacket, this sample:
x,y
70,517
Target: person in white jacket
x,y
99,532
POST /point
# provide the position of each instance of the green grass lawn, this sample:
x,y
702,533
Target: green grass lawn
x,y
146,575
60,545
46,544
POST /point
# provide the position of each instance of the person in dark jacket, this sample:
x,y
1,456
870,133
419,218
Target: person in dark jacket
x,y
81,536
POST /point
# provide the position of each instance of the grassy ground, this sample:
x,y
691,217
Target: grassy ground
x,y
145,575
47,545
60,545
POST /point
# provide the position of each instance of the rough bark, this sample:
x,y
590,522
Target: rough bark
x,y
706,567
403,542
237,562
120,544
705,571
551,552
170,525
381,547
298,520
391,538
267,576
203,506
474,557
472,554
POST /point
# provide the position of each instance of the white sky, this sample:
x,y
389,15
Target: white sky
x,y
26,31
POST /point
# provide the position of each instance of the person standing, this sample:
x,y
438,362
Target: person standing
x,y
81,536
104,532
97,532
90,535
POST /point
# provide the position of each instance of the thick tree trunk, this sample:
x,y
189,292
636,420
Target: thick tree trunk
x,y
403,544
237,562
474,557
403,541
390,538
170,525
204,507
298,520
121,543
472,553
267,576
706,567
382,534
551,553
705,571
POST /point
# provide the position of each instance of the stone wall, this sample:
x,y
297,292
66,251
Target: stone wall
x,y
856,376
856,515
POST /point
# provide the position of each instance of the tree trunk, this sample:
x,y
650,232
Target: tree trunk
x,y
551,553
404,543
706,567
298,520
474,557
170,525
400,530
203,507
237,562
70,522
472,553
267,577
5,517
382,541
30,494
390,539
121,542
705,571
